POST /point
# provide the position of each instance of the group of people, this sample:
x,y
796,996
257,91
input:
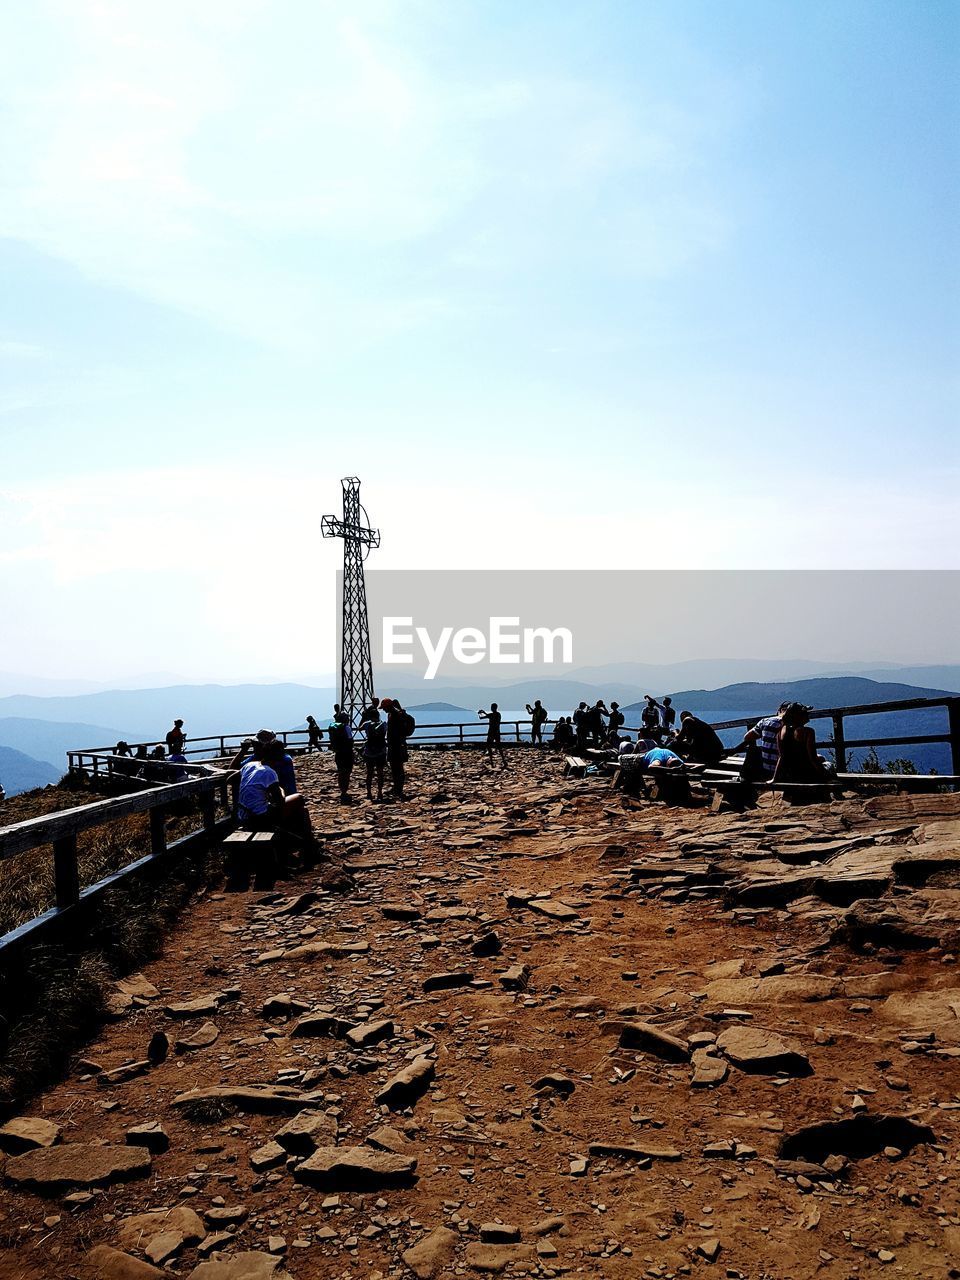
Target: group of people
x,y
779,748
382,732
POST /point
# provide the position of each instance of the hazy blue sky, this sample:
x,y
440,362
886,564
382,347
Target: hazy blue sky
x,y
564,282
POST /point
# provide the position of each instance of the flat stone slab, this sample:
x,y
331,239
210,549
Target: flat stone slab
x,y
76,1164
201,1007
104,1263
492,1259
25,1133
252,1097
447,981
707,1070
300,1136
355,1169
369,1033
432,1253
202,1038
249,1265
552,909
407,1085
633,1151
138,1230
324,951
764,1052
652,1039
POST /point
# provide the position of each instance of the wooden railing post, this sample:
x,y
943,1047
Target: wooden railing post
x,y
208,809
839,746
158,830
66,876
953,721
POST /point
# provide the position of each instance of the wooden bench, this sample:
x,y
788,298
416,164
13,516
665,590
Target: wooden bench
x,y
251,853
575,766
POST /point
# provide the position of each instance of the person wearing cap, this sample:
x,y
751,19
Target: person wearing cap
x,y
176,739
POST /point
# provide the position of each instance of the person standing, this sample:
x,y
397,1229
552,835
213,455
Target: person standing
x,y
371,713
400,726
493,719
176,739
580,717
668,717
615,723
538,717
375,754
650,718
314,735
340,735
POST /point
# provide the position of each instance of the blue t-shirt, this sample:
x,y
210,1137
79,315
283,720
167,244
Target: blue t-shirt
x,y
660,755
285,772
256,779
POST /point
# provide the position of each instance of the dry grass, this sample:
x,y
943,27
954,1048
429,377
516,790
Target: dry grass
x,y
52,997
26,881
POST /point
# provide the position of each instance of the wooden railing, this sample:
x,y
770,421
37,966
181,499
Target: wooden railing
x,y
99,760
154,794
59,831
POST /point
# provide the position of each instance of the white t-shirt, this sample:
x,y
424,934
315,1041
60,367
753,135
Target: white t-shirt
x,y
256,779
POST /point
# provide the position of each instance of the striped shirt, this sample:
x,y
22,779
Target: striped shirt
x,y
769,730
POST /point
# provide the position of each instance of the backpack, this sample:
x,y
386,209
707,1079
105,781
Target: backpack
x,y
409,724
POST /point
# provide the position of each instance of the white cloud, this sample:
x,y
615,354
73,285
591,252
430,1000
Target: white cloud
x,y
270,167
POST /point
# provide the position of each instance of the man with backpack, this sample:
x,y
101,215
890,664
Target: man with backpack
x,y
400,726
340,735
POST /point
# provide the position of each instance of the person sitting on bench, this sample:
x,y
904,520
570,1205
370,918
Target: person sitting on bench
x,y
261,802
797,742
697,741
762,747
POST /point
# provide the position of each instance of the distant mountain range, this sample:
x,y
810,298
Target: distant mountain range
x,y
45,728
20,772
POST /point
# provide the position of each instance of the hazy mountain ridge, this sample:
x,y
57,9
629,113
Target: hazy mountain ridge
x,y
736,702
20,772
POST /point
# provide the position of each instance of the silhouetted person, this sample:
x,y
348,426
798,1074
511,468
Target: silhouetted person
x,y
538,716
668,717
798,760
580,726
697,741
314,735
374,753
761,745
370,713
650,718
340,735
400,726
615,723
176,739
493,719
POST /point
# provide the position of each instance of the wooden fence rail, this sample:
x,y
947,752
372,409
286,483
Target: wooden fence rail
x,y
153,795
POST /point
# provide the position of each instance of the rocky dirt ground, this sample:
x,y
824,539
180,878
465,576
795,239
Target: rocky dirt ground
x,y
523,1024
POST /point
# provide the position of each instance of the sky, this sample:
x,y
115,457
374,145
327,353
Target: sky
x,y
662,284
